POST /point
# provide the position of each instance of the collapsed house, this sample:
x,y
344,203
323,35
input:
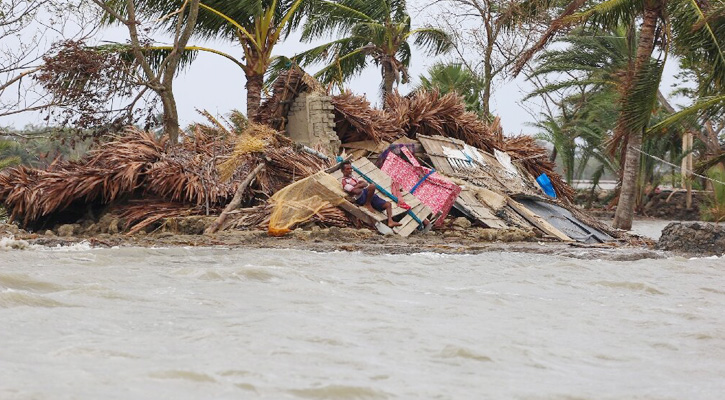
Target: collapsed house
x,y
423,152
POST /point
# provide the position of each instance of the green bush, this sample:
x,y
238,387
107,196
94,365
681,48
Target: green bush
x,y
714,207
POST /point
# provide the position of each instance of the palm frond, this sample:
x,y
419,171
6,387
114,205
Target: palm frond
x,y
337,18
641,101
700,36
609,14
431,40
717,103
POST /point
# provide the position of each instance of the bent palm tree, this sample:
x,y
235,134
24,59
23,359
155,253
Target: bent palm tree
x,y
377,30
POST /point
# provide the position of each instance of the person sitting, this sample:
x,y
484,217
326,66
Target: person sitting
x,y
364,194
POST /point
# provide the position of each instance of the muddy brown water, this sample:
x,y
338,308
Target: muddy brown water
x,y
230,323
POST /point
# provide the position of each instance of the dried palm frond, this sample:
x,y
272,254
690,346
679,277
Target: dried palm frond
x,y
142,213
258,218
250,218
108,172
535,160
286,165
356,121
123,166
254,139
332,216
429,113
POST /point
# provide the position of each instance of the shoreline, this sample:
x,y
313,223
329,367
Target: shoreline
x,y
471,241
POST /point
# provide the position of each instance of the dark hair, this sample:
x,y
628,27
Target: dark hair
x,y
344,163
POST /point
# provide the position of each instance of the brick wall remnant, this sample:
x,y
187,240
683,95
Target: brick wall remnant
x,y
311,122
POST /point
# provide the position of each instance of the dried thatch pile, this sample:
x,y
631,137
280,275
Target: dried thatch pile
x,y
143,179
356,121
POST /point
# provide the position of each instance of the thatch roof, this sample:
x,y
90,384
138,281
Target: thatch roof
x,y
288,85
356,120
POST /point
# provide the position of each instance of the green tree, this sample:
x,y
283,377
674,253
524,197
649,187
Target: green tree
x,y
455,77
258,26
581,101
7,160
377,30
640,82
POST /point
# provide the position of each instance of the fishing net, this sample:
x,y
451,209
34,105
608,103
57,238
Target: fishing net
x,y
303,199
255,139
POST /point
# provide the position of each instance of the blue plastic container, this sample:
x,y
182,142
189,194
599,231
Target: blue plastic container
x,y
545,184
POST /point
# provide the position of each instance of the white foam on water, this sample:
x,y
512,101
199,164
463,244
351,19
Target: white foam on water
x,y
80,246
713,257
10,243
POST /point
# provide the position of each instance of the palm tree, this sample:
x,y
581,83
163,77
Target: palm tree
x,y
377,30
642,77
581,101
454,77
257,25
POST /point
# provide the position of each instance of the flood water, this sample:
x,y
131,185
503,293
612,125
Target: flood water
x,y
190,323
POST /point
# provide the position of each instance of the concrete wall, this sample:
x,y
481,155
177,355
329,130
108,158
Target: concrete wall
x,y
311,122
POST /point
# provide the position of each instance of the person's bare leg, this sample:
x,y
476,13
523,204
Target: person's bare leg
x,y
369,199
389,211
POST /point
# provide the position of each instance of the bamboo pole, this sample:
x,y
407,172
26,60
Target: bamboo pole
x,y
687,167
236,201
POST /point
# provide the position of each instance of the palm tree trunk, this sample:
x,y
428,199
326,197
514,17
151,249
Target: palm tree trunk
x,y
254,94
627,196
388,79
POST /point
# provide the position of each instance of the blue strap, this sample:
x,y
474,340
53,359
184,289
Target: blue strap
x,y
415,187
388,194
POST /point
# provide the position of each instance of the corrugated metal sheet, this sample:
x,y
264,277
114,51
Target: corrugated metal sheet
x,y
563,220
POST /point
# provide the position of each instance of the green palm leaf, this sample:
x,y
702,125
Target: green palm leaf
x,y
370,30
715,103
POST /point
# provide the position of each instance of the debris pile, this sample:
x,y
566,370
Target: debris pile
x,y
424,153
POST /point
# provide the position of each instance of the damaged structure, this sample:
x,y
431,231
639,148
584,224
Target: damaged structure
x,y
423,152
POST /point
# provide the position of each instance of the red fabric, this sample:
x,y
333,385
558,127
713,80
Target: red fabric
x,y
436,192
410,156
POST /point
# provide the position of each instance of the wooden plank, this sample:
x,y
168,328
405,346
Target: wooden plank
x,y
537,221
411,224
364,165
471,205
368,145
361,213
